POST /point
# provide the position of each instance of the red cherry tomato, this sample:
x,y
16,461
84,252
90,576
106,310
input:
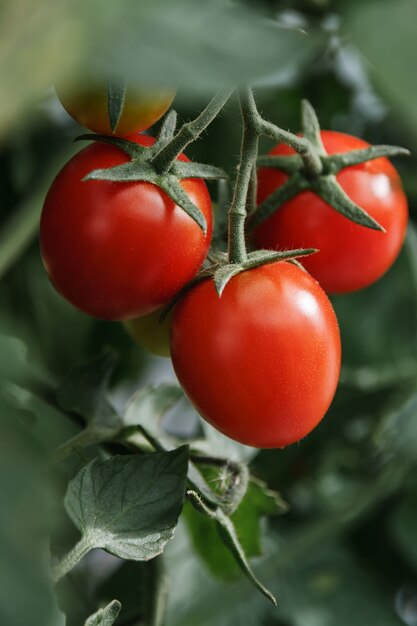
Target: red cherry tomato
x,y
351,256
119,250
262,362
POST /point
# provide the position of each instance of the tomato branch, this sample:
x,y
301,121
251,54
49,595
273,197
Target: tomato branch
x,y
189,132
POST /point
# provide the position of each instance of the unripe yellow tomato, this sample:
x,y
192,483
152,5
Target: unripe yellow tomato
x,y
87,104
150,334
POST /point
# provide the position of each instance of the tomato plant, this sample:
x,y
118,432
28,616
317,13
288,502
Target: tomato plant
x,y
119,250
350,256
88,106
150,333
262,362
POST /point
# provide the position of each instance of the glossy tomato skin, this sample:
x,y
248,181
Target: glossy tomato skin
x,y
119,250
262,362
88,106
351,257
150,333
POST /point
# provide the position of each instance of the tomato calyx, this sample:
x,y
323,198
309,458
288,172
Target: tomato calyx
x,y
318,174
116,96
158,163
223,271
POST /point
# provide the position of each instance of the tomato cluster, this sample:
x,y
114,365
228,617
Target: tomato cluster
x,y
261,363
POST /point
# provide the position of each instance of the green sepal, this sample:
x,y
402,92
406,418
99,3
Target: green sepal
x,y
293,186
116,96
331,192
336,162
132,171
130,148
318,174
311,127
167,131
256,259
224,274
140,168
170,184
184,169
264,257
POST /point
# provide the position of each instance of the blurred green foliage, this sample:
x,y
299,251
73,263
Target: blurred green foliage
x,y
346,552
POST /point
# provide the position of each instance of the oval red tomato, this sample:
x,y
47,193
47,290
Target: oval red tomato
x,y
262,362
351,256
119,250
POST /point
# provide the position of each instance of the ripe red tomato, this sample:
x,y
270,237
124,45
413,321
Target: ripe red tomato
x,y
262,362
351,256
87,104
119,250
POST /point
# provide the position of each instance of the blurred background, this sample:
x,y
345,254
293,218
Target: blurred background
x,y
346,551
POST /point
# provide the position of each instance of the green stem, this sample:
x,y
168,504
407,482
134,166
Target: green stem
x,y
311,158
253,190
189,132
70,560
158,592
248,155
84,438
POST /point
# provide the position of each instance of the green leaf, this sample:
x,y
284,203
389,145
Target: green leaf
x,y
229,536
331,192
106,616
129,505
143,36
403,524
257,503
26,591
217,444
385,33
148,406
146,409
85,391
116,95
